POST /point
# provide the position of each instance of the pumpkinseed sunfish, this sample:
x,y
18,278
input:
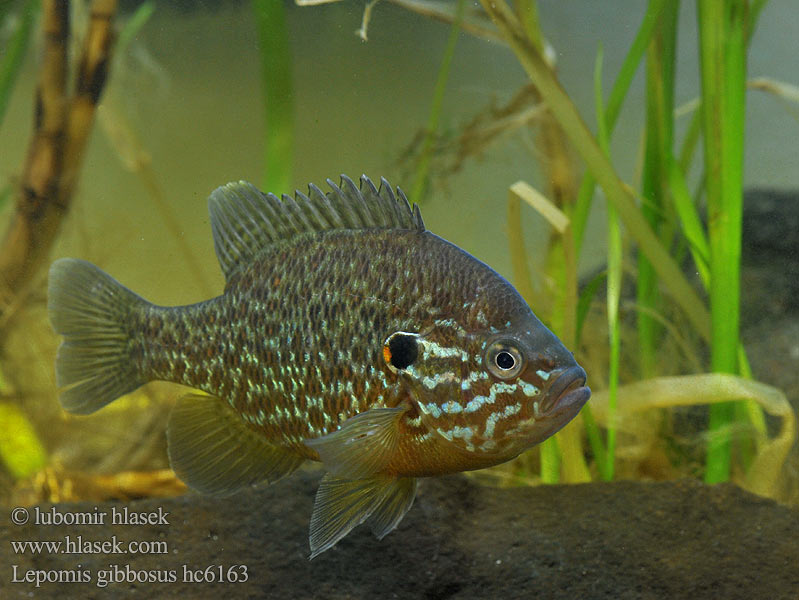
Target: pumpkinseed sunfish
x,y
347,333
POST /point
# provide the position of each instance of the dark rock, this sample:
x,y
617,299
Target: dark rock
x,y
770,301
769,257
460,540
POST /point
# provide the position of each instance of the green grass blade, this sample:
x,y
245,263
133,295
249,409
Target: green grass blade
x,y
420,181
134,25
11,56
276,65
618,93
660,61
694,129
723,68
584,303
550,460
564,111
697,243
518,253
528,14
594,438
607,466
689,220
690,141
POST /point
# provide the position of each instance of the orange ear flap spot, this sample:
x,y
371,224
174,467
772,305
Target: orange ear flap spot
x,y
387,354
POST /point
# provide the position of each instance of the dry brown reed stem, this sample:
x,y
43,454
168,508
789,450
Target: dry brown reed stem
x,y
518,253
55,484
60,130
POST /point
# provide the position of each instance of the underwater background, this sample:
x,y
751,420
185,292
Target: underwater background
x,y
188,92
184,110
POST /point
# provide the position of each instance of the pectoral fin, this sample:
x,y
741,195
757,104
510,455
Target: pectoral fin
x,y
342,504
213,451
362,446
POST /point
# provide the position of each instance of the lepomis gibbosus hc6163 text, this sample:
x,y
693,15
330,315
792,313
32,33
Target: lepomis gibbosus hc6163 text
x,y
346,333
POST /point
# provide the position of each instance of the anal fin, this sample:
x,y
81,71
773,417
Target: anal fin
x,y
213,451
343,504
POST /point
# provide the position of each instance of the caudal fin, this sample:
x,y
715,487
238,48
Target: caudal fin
x,y
92,311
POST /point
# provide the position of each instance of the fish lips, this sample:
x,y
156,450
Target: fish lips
x,y
566,395
561,402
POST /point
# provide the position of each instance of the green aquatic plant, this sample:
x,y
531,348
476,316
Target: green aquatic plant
x,y
420,180
723,65
658,134
666,210
21,451
563,452
134,25
270,18
707,388
618,94
12,55
663,218
606,461
602,169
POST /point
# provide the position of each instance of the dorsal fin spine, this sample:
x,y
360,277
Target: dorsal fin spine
x,y
363,209
350,218
269,211
314,219
244,220
378,209
333,218
387,195
299,222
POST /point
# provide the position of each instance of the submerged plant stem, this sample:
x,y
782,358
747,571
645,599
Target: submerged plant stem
x,y
618,93
566,114
423,169
518,253
713,388
723,66
606,463
61,130
12,55
660,62
134,25
278,95
569,447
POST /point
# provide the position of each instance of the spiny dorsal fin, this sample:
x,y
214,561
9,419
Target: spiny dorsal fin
x,y
244,220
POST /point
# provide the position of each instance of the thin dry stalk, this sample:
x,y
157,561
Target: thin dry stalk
x,y
61,128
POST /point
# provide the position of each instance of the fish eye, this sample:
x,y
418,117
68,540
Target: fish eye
x,y
401,349
504,360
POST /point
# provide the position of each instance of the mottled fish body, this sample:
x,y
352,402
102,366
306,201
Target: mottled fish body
x,y
346,333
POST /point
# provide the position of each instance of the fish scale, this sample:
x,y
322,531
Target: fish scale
x,y
346,333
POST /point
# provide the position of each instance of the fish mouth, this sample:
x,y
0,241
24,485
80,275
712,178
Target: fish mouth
x,y
568,393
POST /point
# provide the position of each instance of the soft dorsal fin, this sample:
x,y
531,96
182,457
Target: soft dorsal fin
x,y
244,220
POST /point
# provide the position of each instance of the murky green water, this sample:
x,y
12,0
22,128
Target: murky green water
x,y
188,96
190,89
